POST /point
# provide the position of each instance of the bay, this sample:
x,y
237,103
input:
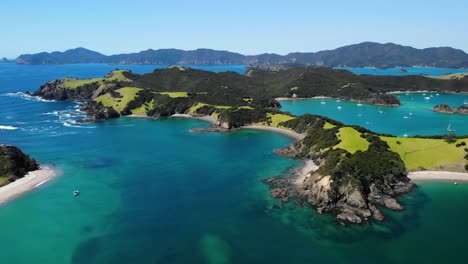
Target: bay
x,y
152,192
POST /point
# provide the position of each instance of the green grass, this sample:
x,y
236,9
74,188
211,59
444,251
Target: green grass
x,y
275,120
199,105
328,126
422,153
245,107
119,104
452,76
3,181
351,140
73,83
117,75
175,94
180,68
144,108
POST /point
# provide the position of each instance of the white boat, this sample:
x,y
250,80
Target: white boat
x,y
339,107
427,98
465,102
76,192
449,128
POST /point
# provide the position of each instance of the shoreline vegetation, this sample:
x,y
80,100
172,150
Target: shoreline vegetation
x,y
349,171
31,181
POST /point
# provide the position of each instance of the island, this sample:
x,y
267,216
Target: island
x,y
446,109
349,171
365,54
19,173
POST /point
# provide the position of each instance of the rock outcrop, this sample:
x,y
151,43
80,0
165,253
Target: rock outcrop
x,y
445,108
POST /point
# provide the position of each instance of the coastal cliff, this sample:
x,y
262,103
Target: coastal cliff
x,y
352,182
14,164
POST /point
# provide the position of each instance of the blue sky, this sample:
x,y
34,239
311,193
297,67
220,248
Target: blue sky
x,y
248,27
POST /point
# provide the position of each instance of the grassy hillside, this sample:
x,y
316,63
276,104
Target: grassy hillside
x,y
351,140
125,95
428,154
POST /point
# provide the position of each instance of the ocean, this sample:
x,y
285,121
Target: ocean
x,y
153,192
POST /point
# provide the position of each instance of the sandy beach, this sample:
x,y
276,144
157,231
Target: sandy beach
x,y
29,182
209,119
304,171
301,98
285,132
443,176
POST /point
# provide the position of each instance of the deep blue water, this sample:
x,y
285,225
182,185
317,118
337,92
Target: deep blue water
x,y
409,71
152,192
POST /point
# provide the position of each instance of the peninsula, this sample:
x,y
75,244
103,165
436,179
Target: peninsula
x,y
19,173
351,172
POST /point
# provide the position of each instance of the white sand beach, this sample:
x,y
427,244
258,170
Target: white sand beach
x,y
285,132
443,176
301,98
304,171
29,182
209,119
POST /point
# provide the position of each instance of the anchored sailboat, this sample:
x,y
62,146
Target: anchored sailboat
x,y
449,128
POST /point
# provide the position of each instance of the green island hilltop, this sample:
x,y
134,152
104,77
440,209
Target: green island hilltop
x,y
354,172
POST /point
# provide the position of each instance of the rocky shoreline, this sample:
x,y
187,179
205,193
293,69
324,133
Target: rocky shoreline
x,y
446,109
349,206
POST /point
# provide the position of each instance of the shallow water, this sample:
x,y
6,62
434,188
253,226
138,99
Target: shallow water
x,y
152,192
413,117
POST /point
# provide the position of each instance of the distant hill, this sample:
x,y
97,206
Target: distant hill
x,y
365,54
78,55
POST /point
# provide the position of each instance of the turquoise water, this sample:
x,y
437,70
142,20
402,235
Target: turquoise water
x,y
413,117
409,71
152,192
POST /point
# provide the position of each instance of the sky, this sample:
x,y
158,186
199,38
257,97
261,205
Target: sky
x,y
248,27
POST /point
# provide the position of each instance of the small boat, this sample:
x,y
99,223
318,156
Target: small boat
x,y
465,102
339,107
449,128
427,98
322,102
359,104
76,193
455,183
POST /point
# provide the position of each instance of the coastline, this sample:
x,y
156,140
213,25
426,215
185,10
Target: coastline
x,y
302,98
438,176
424,91
208,119
304,172
29,182
282,131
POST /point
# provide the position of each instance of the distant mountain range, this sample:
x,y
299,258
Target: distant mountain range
x,y
366,54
